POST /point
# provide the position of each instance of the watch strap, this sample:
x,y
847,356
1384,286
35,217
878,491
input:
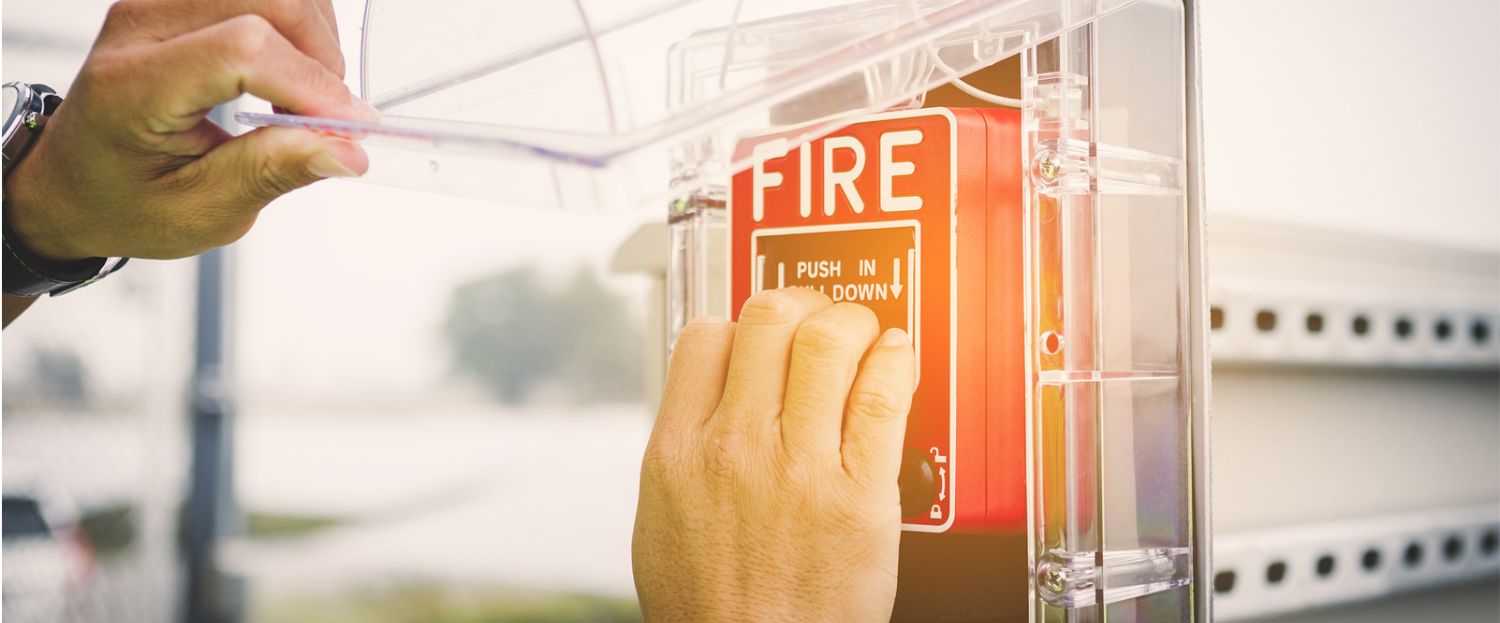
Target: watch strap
x,y
28,274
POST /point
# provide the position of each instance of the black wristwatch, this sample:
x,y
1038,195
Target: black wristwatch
x,y
26,108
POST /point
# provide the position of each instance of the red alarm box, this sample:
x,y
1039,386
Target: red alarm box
x,y
916,214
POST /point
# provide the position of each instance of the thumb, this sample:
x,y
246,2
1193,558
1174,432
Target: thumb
x,y
249,171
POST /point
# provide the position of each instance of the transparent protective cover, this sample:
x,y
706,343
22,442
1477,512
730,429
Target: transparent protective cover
x,y
1112,403
620,104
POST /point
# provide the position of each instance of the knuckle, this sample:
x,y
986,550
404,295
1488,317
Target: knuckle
x,y
120,15
769,307
877,399
99,69
799,474
289,12
660,461
704,322
186,180
271,181
249,36
725,453
273,165
858,316
774,307
836,331
703,342
703,328
823,335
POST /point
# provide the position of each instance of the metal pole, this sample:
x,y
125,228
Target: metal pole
x,y
211,514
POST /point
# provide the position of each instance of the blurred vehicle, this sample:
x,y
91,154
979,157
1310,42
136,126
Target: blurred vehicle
x,y
48,559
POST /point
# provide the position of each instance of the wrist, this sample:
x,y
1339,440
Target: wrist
x,y
37,222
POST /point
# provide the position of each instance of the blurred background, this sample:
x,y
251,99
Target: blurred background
x,y
438,404
412,435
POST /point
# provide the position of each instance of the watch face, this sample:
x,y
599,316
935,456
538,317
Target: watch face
x,y
12,99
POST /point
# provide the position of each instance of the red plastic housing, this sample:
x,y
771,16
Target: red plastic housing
x,y
916,214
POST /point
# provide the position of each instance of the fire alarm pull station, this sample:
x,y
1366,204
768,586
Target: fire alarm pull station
x,y
916,215
1045,255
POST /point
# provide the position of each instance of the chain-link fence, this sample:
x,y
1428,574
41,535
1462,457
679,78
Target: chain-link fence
x,y
94,450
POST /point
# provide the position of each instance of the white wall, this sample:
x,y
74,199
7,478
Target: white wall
x,y
1380,116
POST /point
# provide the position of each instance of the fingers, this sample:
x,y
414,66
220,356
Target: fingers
x,y
762,345
247,172
825,354
875,420
242,55
307,24
695,376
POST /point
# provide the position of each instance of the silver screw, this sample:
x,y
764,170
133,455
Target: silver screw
x,y
1049,166
1053,580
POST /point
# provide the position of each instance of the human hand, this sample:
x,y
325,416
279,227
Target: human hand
x,y
130,166
768,490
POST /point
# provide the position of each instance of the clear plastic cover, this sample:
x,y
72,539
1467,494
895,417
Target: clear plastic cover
x,y
624,103
1112,409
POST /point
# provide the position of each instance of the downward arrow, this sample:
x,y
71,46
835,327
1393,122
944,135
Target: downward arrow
x,y
760,273
896,278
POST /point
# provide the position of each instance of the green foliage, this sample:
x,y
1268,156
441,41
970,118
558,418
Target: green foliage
x,y
111,530
515,337
273,525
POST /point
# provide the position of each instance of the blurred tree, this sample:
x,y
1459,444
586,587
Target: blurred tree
x,y
515,336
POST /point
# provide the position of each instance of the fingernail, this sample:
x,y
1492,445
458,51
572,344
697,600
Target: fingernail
x,y
363,110
325,165
894,337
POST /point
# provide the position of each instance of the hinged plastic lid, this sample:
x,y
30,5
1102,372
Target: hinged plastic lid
x,y
620,103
